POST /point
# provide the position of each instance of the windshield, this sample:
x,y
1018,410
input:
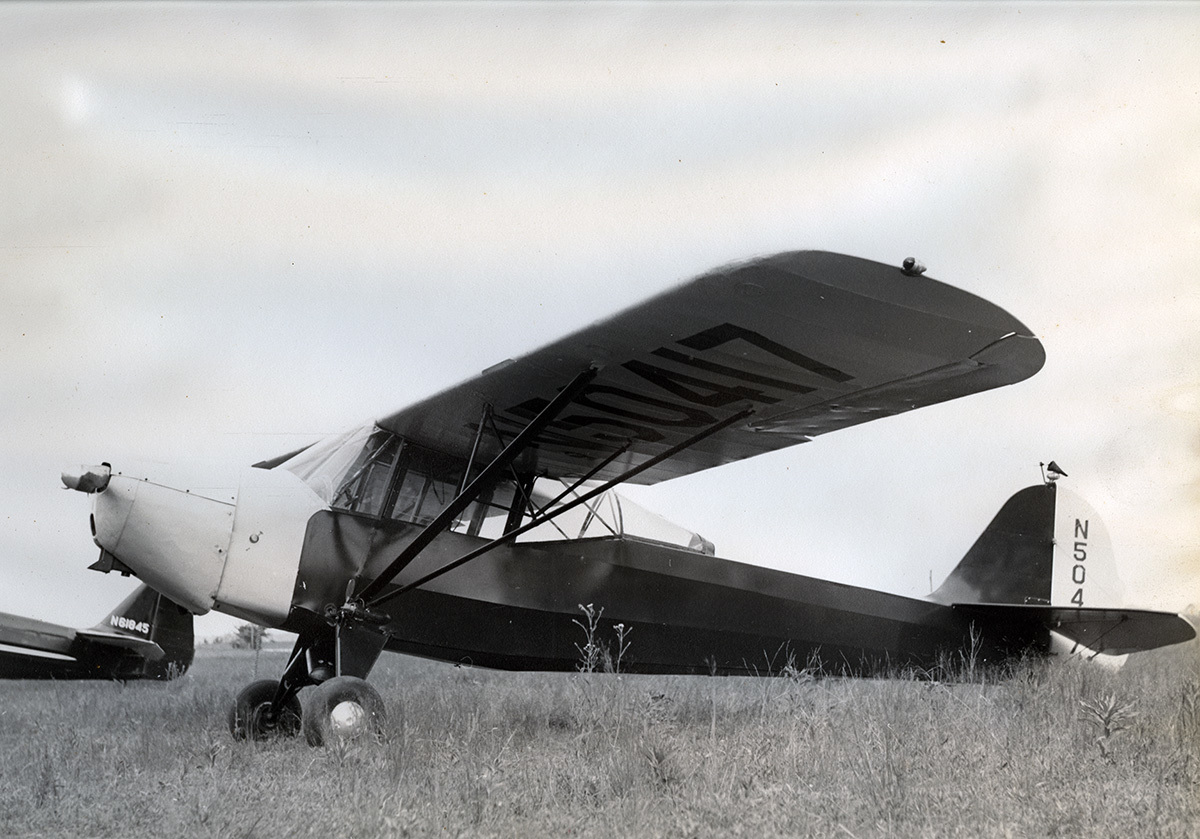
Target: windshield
x,y
323,465
372,472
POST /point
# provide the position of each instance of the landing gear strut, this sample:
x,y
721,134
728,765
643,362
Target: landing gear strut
x,y
342,705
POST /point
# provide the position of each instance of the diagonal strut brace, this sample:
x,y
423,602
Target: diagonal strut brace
x,y
502,461
587,496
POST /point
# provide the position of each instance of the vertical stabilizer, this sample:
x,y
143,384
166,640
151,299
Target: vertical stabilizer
x,y
1013,559
1046,546
150,616
1043,575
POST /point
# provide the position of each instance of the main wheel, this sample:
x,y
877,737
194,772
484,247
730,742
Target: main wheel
x,y
250,718
344,707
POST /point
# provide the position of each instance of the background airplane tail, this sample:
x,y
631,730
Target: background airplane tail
x,y
1046,561
153,625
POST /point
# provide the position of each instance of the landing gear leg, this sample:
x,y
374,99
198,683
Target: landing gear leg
x,y
342,705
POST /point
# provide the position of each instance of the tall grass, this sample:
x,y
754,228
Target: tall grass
x,y
477,753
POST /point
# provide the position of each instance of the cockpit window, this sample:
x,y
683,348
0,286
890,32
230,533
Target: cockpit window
x,y
492,515
324,465
431,480
429,484
365,485
351,471
372,472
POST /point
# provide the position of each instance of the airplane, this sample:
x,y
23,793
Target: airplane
x,y
415,532
146,636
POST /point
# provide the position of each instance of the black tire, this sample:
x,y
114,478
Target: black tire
x,y
250,716
319,726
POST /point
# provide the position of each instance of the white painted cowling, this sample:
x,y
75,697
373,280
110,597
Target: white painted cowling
x,y
273,509
231,545
173,539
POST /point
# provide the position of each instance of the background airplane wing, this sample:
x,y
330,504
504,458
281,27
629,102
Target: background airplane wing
x,y
34,637
29,634
812,341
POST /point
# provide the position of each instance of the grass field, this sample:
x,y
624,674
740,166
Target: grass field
x,y
478,753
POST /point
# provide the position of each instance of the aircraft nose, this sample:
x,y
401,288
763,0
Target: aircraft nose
x,y
89,478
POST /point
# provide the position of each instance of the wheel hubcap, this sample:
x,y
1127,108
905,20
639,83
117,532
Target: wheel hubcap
x,y
262,721
348,719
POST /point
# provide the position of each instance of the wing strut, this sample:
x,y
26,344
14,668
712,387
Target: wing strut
x,y
483,419
537,518
471,492
1099,648
522,489
542,519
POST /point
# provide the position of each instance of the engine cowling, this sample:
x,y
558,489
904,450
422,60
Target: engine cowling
x,y
230,545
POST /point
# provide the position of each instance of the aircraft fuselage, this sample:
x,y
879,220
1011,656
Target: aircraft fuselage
x,y
267,550
519,607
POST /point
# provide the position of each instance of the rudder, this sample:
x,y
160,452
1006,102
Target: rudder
x,y
1085,568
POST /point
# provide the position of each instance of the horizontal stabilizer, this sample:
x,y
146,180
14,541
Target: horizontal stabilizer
x,y
148,649
1110,631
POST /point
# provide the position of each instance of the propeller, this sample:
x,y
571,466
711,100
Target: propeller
x,y
88,478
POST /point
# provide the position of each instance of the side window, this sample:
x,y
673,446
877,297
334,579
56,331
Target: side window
x,y
408,495
428,485
430,481
490,516
365,487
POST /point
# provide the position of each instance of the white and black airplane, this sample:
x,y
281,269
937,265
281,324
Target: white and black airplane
x,y
438,530
146,637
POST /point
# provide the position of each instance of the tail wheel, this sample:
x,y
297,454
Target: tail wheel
x,y
344,707
251,717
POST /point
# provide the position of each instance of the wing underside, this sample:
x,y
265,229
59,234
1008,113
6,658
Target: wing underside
x,y
810,341
28,634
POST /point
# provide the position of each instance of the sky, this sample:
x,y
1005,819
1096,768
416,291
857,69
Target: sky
x,y
228,230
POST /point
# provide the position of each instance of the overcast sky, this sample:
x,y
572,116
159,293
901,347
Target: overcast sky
x,y
227,230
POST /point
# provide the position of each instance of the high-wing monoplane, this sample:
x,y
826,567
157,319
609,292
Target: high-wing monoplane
x,y
146,637
444,530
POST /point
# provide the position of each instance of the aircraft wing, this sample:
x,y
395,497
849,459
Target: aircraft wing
x,y
811,341
1111,631
29,634
26,633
